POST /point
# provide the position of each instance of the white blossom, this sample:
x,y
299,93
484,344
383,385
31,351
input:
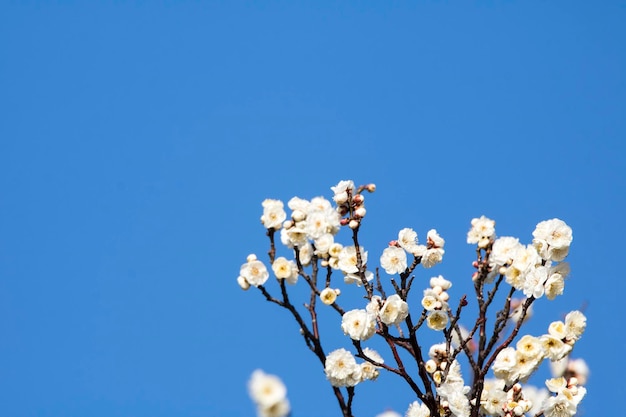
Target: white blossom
x,y
355,278
504,250
555,349
432,257
575,323
285,269
505,365
328,296
440,281
348,260
454,396
482,230
341,191
437,320
393,260
341,369
534,285
273,214
266,390
558,406
552,239
417,410
368,369
407,239
358,324
254,272
434,240
394,311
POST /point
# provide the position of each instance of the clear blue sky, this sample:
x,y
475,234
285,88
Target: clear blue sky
x,y
137,140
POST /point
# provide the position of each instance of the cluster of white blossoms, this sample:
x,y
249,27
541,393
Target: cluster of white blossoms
x,y
394,259
269,394
435,301
535,269
360,324
342,369
310,232
517,364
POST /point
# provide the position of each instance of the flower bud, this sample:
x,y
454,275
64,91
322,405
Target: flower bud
x,y
431,366
360,212
353,224
341,198
243,283
251,257
370,187
298,215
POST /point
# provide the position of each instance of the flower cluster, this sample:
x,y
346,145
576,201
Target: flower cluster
x,y
342,370
316,255
435,301
535,269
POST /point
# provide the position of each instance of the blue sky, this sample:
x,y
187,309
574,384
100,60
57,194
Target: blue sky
x,y
137,140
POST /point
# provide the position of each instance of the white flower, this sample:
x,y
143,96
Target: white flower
x,y
341,369
341,191
434,240
324,243
417,410
305,253
358,324
482,230
285,269
535,281
575,323
431,257
525,365
431,300
554,348
393,260
316,225
493,398
254,272
266,390
293,236
504,250
394,311
356,278
407,239
328,296
374,305
554,286
273,214
368,369
440,281
558,406
552,239
530,346
348,261
555,233
335,249
505,365
437,320
454,396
